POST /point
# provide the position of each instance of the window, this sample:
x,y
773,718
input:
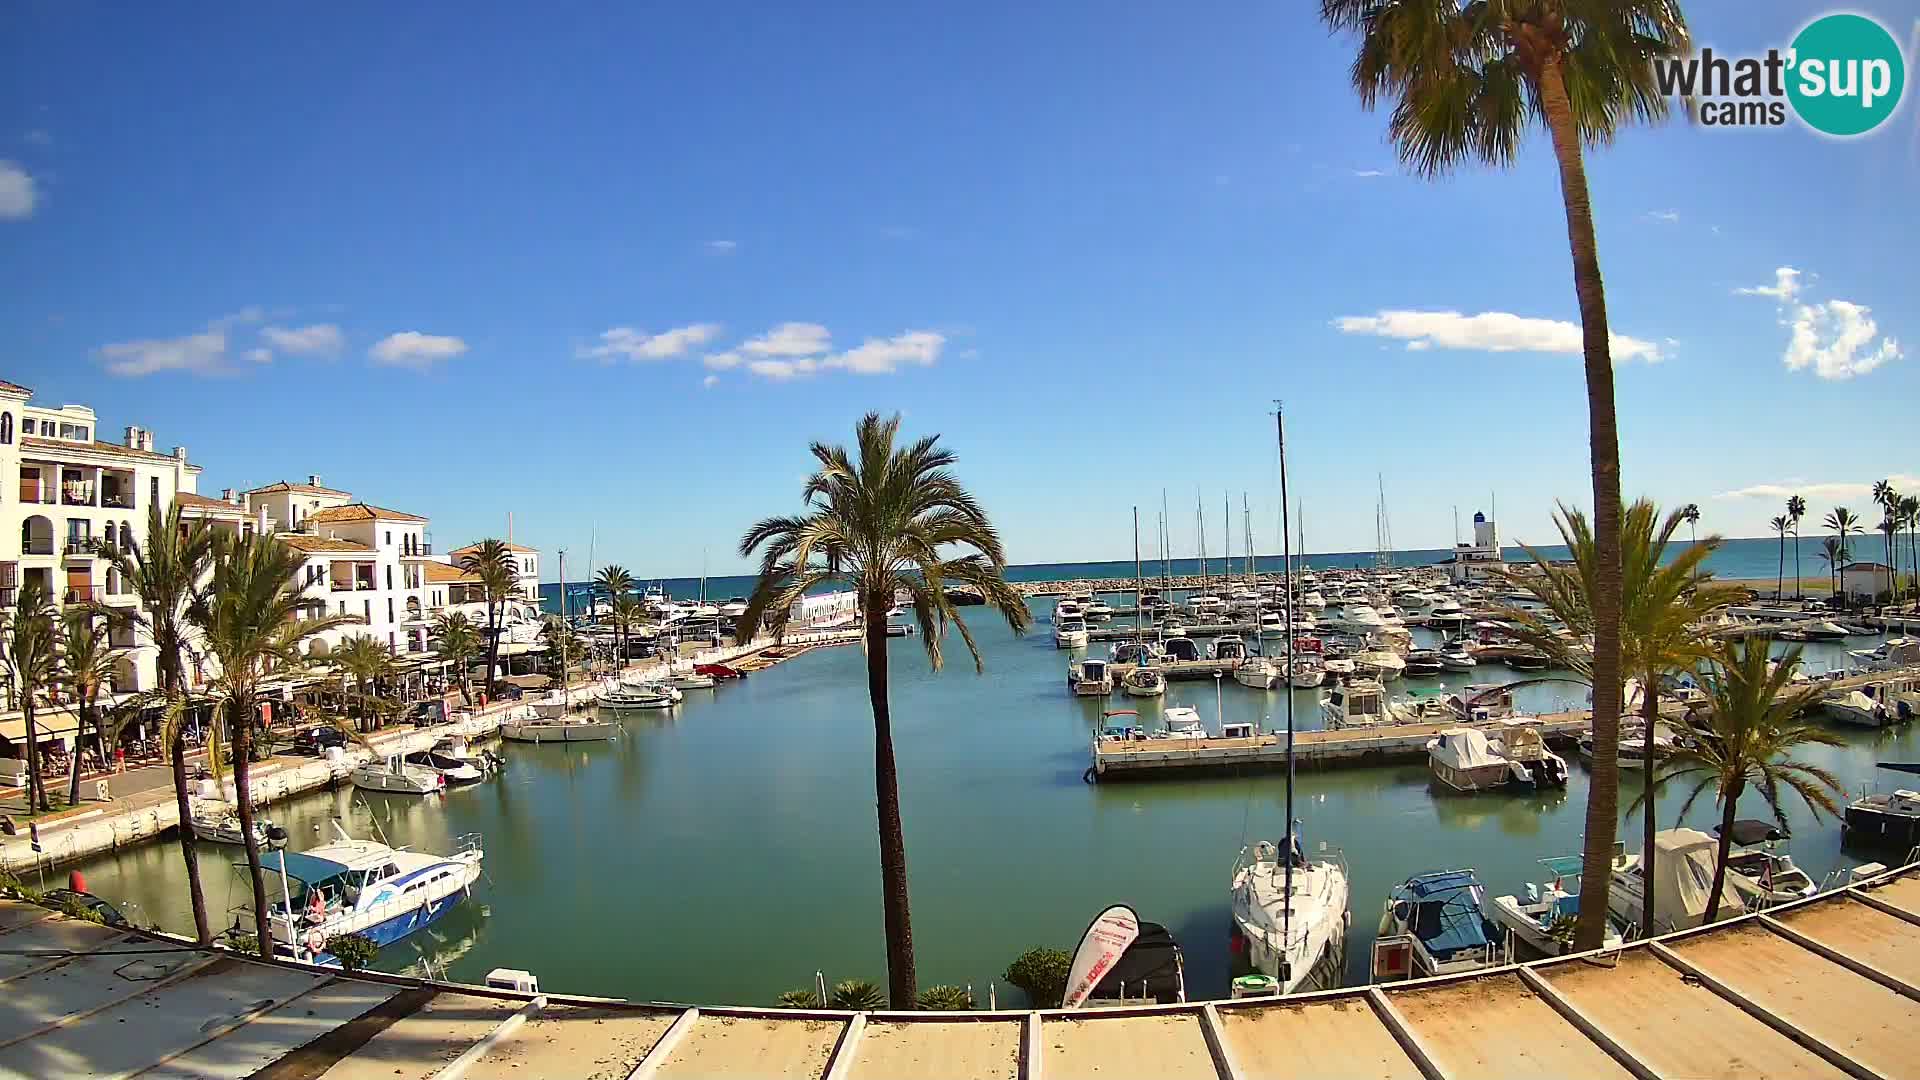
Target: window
x,y
389,609
153,490
389,537
343,607
389,577
366,610
6,427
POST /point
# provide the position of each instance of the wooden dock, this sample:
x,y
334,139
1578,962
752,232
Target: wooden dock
x,y
1825,987
1152,759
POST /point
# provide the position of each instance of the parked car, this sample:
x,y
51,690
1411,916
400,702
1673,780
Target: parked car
x,y
316,740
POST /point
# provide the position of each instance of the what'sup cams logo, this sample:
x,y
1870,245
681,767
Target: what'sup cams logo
x,y
1844,75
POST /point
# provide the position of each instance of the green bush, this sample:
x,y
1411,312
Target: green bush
x,y
857,995
946,999
241,941
1042,973
799,999
73,908
354,951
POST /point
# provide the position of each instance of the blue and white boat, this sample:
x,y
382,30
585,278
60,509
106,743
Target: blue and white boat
x,y
1433,925
361,887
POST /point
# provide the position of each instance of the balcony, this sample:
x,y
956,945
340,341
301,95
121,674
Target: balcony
x,y
421,550
116,500
77,493
82,545
43,546
82,594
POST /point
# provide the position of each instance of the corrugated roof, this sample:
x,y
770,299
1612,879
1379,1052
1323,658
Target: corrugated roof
x,y
308,542
361,512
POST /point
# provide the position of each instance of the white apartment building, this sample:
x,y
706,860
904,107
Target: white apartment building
x,y
64,494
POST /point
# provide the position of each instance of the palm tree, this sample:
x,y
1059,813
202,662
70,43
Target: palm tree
x,y
28,653
1910,515
1470,80
1888,500
492,562
628,613
1835,556
1890,529
457,642
166,575
616,583
1780,525
1842,521
1659,622
365,661
1690,514
87,659
1796,509
250,617
1744,738
881,520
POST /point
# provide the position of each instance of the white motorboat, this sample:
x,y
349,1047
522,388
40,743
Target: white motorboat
x,y
1259,673
1359,703
394,775
684,677
1134,652
1824,630
1297,936
1427,706
734,608
1099,611
646,695
1455,657
1069,634
1228,647
454,771
1888,655
1144,681
1434,924
1880,704
1180,648
219,823
1468,760
1090,677
1684,869
361,887
456,746
1068,609
1383,664
1545,918
1752,855
553,730
1308,673
1633,745
1271,625
1183,722
1312,600
1889,820
1424,663
1356,619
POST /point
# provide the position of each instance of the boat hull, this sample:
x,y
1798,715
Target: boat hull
x,y
574,731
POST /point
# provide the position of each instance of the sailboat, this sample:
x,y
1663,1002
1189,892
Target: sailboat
x,y
1289,910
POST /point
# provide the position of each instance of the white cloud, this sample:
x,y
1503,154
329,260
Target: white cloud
x,y
1786,286
722,247
791,339
626,343
1830,491
1838,339
1369,174
18,195
320,339
1664,217
260,356
875,356
413,349
709,381
722,361
784,369
204,353
1492,331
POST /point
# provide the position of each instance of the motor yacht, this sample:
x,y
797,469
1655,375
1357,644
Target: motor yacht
x,y
1180,649
1090,677
1455,657
452,771
1069,634
1424,663
1228,647
1362,702
1144,681
219,823
1543,918
545,730
361,887
1183,722
395,776
1433,924
641,695
1753,854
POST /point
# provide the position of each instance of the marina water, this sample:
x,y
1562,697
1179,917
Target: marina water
x,y
726,852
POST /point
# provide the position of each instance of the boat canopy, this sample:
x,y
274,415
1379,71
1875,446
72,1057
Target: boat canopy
x,y
1466,748
1748,831
307,868
1446,913
1684,879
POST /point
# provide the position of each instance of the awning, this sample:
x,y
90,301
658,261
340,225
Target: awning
x,y
47,723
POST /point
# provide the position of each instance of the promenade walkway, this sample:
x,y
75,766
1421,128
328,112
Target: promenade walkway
x,y
1828,987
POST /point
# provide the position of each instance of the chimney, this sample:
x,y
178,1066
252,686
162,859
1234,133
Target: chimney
x,y
229,495
179,452
313,479
134,435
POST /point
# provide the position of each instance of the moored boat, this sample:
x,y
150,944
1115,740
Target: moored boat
x,y
1144,681
1543,919
395,776
221,825
361,887
1433,924
558,730
1090,677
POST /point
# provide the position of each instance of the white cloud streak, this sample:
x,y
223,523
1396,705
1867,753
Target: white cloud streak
x,y
1490,331
875,356
1664,217
1826,491
204,353
1836,339
415,350
320,339
627,343
791,339
722,247
1370,174
725,361
18,194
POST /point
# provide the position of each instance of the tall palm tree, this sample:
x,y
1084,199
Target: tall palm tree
x,y
87,659
29,653
628,614
1890,531
1690,514
457,642
1842,521
1888,499
492,562
1835,556
1752,723
166,575
1469,81
251,620
1910,516
365,661
880,520
1659,624
1780,525
1796,509
616,583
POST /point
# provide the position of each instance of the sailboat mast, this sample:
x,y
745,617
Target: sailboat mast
x,y
1137,582
1200,520
1166,572
1286,923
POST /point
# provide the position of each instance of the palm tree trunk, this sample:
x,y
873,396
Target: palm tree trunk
x,y
1780,576
83,720
177,756
901,987
1728,811
240,726
493,645
1603,796
36,788
1797,594
1649,714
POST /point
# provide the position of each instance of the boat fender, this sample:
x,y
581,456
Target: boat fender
x,y
1087,777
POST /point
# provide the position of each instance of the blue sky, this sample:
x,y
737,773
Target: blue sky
x,y
469,261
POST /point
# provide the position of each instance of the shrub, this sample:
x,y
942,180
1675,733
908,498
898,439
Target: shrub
x,y
242,941
857,995
354,951
946,999
799,999
1042,973
73,908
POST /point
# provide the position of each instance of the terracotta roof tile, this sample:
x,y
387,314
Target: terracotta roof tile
x,y
360,512
457,552
96,447
304,489
191,501
439,573
15,387
310,543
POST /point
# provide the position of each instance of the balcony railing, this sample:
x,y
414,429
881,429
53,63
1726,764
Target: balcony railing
x,y
365,586
89,594
36,547
117,501
423,548
82,545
